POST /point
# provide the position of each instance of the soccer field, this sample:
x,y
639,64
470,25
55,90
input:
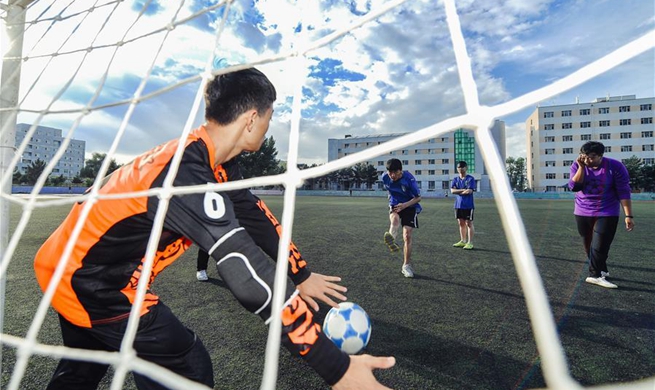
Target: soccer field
x,y
461,323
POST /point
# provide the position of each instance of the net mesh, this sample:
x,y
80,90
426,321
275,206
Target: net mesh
x,y
70,40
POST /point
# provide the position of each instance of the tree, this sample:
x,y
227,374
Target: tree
x,y
34,170
648,177
262,162
344,177
364,173
17,178
517,173
634,166
57,180
92,166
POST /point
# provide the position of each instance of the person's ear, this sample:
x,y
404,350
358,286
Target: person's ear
x,y
251,117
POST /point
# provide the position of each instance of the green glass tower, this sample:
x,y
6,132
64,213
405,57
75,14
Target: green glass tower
x,y
464,150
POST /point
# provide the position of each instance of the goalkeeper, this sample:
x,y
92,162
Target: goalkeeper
x,y
94,297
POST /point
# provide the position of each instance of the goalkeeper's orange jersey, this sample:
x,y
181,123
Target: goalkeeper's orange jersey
x,y
102,272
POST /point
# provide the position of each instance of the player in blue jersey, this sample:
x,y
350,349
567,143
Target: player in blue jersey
x,y
463,186
404,207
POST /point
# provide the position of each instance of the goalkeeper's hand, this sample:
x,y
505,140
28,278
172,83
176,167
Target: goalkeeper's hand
x,y
318,286
360,373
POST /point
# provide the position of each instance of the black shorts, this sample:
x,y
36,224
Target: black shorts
x,y
408,217
161,338
466,214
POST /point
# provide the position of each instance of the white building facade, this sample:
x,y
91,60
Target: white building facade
x,y
44,144
554,134
432,162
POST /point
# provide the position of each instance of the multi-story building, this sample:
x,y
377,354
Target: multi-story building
x,y
432,162
554,134
44,144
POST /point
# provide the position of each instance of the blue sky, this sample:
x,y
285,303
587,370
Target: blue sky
x,y
395,74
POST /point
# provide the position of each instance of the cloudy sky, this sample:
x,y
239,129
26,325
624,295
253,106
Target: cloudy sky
x,y
395,74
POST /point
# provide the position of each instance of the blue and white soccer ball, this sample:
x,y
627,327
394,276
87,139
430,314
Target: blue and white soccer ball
x,y
349,327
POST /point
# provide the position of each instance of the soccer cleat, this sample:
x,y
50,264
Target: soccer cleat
x,y
202,276
407,271
600,281
460,244
388,239
468,246
604,274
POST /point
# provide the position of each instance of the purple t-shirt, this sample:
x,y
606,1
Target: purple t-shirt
x,y
600,193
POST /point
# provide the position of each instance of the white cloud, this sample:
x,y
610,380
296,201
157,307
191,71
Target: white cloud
x,y
405,55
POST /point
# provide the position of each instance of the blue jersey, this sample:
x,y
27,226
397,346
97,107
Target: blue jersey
x,y
459,183
402,190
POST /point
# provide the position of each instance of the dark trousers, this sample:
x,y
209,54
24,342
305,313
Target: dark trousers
x,y
161,339
597,235
203,260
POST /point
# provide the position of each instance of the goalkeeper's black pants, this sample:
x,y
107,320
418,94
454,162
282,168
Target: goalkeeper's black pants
x,y
161,339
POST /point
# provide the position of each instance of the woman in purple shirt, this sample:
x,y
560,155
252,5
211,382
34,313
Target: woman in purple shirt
x,y
602,187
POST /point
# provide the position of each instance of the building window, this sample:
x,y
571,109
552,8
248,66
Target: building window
x,y
606,136
608,149
380,163
567,138
568,125
549,126
431,161
346,145
550,163
549,139
649,161
567,163
604,110
417,162
646,134
647,148
624,108
566,112
625,122
626,148
550,151
567,150
645,121
445,185
566,175
405,152
418,172
603,123
626,135
445,172
585,137
645,107
585,111
431,172
585,124
549,114
431,185
405,162
551,176
445,161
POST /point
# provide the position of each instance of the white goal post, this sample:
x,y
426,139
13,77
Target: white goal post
x,y
18,18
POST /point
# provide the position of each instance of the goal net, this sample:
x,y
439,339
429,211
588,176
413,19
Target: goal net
x,y
108,69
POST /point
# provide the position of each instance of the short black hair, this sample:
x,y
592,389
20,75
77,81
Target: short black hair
x,y
462,164
593,147
229,95
393,164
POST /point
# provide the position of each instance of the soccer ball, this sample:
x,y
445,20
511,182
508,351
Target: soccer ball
x,y
348,327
